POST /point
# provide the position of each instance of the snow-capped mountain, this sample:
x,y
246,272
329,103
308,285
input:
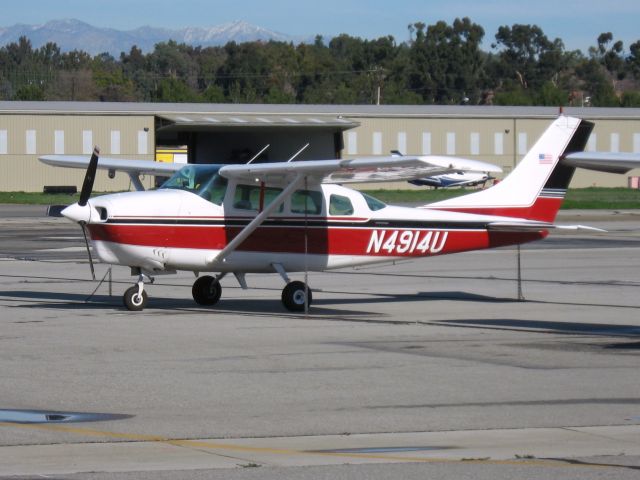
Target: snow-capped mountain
x,y
71,34
234,31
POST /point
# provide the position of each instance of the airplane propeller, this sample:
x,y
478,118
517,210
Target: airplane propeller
x,y
79,212
89,177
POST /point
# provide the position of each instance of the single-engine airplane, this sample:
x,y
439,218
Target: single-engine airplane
x,y
296,216
455,179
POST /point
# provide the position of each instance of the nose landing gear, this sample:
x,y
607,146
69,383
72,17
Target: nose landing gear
x,y
135,298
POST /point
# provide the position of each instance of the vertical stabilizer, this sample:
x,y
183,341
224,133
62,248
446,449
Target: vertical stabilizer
x,y
536,187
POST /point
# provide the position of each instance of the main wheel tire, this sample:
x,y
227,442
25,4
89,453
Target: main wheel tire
x,y
133,301
206,290
294,295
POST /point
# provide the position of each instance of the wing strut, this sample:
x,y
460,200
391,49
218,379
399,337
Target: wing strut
x,y
135,179
260,218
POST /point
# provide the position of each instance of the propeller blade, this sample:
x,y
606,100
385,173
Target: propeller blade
x,y
86,242
89,177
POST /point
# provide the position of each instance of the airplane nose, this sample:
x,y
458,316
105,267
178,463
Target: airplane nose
x,y
77,213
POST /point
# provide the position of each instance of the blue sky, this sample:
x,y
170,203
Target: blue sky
x,y
578,23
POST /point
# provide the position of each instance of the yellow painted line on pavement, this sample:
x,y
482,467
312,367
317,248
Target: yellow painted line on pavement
x,y
209,445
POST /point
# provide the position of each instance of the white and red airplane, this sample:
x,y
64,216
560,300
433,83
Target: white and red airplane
x,y
296,216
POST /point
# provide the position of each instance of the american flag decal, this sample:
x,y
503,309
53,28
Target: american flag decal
x,y
545,158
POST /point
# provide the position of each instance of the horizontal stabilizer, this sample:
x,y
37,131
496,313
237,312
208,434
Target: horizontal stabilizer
x,y
608,162
517,226
533,226
579,227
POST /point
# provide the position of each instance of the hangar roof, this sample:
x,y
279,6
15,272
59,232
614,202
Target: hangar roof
x,y
194,121
352,111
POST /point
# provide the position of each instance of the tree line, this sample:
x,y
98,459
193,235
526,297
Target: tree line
x,y
441,64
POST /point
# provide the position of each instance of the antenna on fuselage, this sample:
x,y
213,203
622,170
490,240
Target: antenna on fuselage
x,y
259,153
298,152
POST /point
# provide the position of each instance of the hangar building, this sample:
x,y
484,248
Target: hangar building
x,y
231,133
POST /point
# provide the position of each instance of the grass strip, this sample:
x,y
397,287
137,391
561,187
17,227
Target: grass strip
x,y
592,198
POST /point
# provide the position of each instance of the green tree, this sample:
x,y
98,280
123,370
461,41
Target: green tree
x,y
175,90
214,94
630,99
611,57
527,58
111,82
603,69
440,63
30,92
633,60
445,61
596,83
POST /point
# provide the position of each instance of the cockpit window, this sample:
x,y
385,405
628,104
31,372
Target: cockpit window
x,y
203,180
373,203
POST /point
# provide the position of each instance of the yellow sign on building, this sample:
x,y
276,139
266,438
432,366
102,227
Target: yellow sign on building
x,y
172,154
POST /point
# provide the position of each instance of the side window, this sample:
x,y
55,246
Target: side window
x,y
247,197
339,205
306,201
242,198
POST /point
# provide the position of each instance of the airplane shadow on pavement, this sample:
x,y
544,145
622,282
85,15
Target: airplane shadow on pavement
x,y
257,306
269,306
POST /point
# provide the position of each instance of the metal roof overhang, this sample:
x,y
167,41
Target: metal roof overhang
x,y
208,122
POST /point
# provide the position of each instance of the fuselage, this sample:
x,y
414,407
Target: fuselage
x,y
325,227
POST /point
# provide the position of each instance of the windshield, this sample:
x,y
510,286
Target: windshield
x,y
373,203
203,180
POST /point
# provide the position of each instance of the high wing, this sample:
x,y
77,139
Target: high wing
x,y
357,170
137,167
134,168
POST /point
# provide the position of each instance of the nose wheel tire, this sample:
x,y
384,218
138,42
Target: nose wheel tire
x,y
133,300
294,296
206,290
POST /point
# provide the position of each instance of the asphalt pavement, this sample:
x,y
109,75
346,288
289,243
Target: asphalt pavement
x,y
424,369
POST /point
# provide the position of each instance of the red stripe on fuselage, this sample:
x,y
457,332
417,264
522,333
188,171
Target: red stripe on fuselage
x,y
395,242
544,209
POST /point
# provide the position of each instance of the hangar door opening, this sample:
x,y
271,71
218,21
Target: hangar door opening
x,y
236,139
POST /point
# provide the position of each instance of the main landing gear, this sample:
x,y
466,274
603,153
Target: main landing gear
x,y
206,290
296,296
